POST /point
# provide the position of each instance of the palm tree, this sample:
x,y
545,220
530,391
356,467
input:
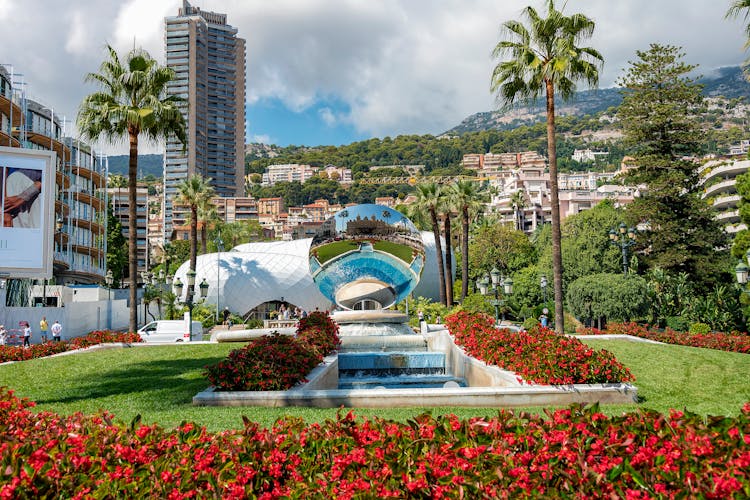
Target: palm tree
x,y
446,209
207,214
428,201
132,102
518,202
543,59
468,200
195,192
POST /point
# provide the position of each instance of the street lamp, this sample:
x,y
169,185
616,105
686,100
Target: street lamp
x,y
146,278
190,282
494,278
624,238
219,248
741,271
109,279
543,284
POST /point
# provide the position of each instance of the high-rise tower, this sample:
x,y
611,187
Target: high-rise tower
x,y
209,62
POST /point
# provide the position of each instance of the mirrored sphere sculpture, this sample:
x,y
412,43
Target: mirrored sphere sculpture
x,y
366,257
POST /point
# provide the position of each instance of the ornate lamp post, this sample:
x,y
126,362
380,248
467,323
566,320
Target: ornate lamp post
x,y
543,285
494,279
741,271
109,279
624,238
202,289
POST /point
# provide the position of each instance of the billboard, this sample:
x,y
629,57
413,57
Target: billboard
x,y
27,196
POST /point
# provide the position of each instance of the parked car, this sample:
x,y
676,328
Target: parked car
x,y
171,331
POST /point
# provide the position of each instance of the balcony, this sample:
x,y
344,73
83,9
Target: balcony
x,y
88,199
87,250
732,169
727,186
728,201
63,151
728,217
92,175
9,141
94,227
6,104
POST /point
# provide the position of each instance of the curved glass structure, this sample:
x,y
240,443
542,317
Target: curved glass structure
x,y
367,257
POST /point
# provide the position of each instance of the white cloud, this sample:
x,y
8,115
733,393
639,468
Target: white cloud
x,y
261,138
328,117
77,42
140,23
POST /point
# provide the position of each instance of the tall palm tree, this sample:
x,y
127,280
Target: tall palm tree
x,y
468,200
195,191
446,210
208,215
132,102
428,201
542,59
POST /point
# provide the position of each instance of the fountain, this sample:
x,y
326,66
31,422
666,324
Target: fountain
x,y
366,259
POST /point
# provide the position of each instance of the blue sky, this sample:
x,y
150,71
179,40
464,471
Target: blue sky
x,y
270,121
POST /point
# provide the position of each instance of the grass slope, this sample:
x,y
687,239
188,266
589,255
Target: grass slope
x,y
159,382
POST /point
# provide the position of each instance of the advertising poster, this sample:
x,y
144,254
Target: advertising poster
x,y
27,186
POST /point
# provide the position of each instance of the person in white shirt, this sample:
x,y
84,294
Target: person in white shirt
x,y
26,334
56,331
2,334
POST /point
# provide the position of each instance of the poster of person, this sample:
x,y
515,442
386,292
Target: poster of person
x,y
27,187
22,207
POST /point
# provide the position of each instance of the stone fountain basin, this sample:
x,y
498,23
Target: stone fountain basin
x,y
488,386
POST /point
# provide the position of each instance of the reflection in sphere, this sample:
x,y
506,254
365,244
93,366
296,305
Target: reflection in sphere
x,y
366,257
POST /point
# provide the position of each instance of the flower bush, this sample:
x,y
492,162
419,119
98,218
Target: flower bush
x,y
733,342
538,355
18,353
572,453
276,362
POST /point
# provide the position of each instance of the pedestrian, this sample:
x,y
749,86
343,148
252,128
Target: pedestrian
x,y
543,319
2,334
226,314
56,331
43,329
303,314
26,333
439,320
420,315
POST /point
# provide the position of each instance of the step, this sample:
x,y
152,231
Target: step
x,y
390,360
401,382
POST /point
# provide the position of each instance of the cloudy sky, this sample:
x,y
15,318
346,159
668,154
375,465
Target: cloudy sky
x,y
335,71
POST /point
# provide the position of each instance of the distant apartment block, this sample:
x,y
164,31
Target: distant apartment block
x,y
719,179
236,209
209,63
588,156
120,202
288,172
740,149
341,174
492,163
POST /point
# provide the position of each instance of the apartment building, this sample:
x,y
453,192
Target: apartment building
x,y
719,179
80,179
288,172
209,63
120,202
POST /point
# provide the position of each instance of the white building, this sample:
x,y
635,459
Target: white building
x,y
288,172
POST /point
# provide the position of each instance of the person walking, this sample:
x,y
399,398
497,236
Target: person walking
x,y
3,332
26,333
56,331
43,327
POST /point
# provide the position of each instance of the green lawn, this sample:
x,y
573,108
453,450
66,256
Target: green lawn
x,y
159,382
330,250
403,252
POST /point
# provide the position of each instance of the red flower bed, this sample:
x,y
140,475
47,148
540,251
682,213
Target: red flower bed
x,y
575,453
538,356
733,342
18,353
276,362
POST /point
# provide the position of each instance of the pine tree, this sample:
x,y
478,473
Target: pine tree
x,y
658,119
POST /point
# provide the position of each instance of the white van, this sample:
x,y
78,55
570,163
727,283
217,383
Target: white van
x,y
170,331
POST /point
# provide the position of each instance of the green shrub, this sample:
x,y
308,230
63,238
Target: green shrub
x,y
530,323
701,328
677,323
